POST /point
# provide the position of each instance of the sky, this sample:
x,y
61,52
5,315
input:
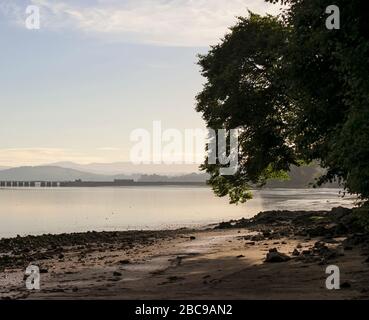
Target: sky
x,y
96,70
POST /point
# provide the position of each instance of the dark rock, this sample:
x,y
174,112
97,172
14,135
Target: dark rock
x,y
330,240
192,238
224,225
258,237
117,274
267,233
124,262
296,253
318,231
273,256
175,278
345,285
319,244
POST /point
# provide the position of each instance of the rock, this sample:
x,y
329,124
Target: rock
x,y
124,262
332,254
258,237
224,225
340,212
61,256
250,243
44,270
240,256
192,238
319,244
296,253
175,278
299,246
267,234
117,274
330,240
345,285
273,256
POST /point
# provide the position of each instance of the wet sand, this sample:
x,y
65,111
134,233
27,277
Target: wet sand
x,y
226,263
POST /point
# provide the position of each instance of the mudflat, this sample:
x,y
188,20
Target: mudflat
x,y
275,255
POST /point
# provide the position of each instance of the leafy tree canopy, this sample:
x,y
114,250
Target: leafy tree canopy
x,y
297,91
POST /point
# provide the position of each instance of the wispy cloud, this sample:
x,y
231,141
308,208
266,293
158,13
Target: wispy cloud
x,y
37,156
160,22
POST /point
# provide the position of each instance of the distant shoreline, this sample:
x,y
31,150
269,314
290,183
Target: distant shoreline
x,y
94,184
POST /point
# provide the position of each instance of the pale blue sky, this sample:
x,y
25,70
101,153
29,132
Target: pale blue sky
x,y
96,70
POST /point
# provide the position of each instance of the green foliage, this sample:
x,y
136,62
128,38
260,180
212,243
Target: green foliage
x,y
243,91
298,92
361,218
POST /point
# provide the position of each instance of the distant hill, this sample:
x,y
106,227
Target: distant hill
x,y
128,168
301,177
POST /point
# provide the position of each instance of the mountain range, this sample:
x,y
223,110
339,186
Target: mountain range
x,y
300,177
129,169
58,173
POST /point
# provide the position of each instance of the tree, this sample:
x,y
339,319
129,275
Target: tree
x,y
298,92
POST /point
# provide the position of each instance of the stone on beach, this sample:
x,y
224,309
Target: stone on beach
x,y
273,256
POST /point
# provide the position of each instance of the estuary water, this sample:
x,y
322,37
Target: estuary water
x,y
35,211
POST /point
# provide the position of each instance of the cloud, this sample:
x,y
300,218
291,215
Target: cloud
x,y
160,22
37,156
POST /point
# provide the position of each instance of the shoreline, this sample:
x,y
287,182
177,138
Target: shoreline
x,y
227,261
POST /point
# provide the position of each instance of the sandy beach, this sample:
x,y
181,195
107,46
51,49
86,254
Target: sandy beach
x,y
227,261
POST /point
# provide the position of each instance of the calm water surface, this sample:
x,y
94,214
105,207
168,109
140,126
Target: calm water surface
x,y
38,211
